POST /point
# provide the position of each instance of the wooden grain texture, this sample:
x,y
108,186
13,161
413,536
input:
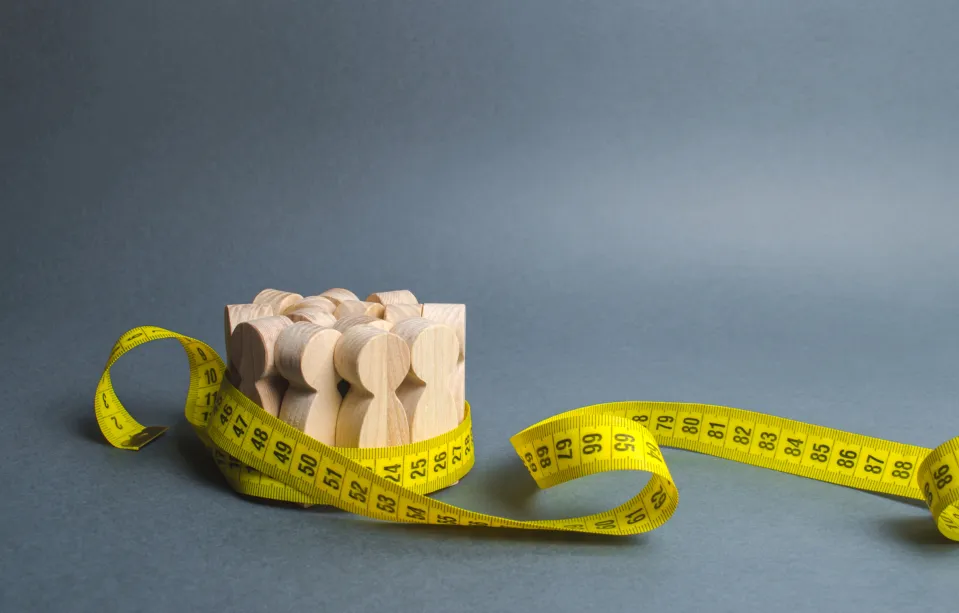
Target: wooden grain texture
x,y
304,357
319,302
348,308
398,296
426,393
282,302
252,350
233,315
314,315
337,295
453,315
374,362
361,320
395,313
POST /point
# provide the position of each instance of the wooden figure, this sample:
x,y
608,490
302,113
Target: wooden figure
x,y
282,302
233,315
346,323
252,350
453,315
374,362
399,296
337,295
313,315
395,313
357,307
319,302
425,393
304,357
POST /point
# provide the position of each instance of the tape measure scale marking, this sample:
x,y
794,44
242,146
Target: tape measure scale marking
x,y
262,456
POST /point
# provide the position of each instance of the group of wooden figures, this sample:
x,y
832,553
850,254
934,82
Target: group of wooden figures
x,y
348,372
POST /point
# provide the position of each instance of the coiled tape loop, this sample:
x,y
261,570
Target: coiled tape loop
x,y
262,456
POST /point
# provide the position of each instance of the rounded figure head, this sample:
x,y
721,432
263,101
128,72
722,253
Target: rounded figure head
x,y
281,302
304,353
313,315
252,344
361,320
337,295
374,359
434,349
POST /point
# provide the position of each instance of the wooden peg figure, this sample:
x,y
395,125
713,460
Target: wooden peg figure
x,y
395,313
313,315
337,295
233,315
374,362
358,307
346,323
252,350
426,393
399,296
453,315
304,357
282,302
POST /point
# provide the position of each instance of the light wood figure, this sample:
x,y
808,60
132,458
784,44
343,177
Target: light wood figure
x,y
374,362
453,315
304,357
252,350
282,302
233,315
337,295
313,315
346,323
399,296
395,313
319,302
356,307
425,393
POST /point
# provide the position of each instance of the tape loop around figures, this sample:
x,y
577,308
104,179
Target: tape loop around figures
x,y
262,456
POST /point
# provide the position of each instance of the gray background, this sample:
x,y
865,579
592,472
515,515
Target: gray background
x,y
746,203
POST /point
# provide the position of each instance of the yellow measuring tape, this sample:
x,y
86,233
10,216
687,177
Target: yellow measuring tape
x,y
265,457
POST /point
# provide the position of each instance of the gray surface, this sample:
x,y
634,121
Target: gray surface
x,y
750,203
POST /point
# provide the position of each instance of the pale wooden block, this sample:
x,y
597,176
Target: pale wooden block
x,y
395,313
252,350
282,302
313,315
319,302
453,315
337,295
398,296
374,362
304,357
346,323
426,393
233,315
347,308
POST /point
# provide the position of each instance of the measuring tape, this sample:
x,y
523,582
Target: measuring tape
x,y
262,456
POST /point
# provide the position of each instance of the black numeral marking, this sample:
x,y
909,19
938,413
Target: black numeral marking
x,y
358,492
418,468
716,431
903,470
942,476
332,479
591,443
393,471
307,465
259,439
282,451
624,442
